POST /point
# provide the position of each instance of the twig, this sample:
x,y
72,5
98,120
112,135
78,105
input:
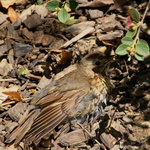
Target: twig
x,y
15,38
132,49
34,76
112,117
12,102
144,15
62,36
9,80
7,103
126,68
79,36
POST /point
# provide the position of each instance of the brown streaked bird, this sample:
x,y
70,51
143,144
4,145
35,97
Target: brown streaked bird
x,y
77,94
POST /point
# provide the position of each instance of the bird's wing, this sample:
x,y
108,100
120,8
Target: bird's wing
x,y
55,107
19,133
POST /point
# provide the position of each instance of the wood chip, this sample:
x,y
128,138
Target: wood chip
x,y
79,36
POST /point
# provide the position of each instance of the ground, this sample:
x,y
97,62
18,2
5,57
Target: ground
x,y
35,46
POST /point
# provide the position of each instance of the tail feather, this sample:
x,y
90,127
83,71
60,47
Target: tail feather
x,y
19,133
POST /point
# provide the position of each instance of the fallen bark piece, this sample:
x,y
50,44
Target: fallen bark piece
x,y
22,49
78,28
108,140
17,111
94,14
3,17
5,67
110,36
33,21
73,138
47,39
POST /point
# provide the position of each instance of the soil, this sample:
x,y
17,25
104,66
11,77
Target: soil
x,y
36,47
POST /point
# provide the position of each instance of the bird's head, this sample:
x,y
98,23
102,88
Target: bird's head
x,y
97,62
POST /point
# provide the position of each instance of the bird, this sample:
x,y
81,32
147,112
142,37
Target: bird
x,y
78,94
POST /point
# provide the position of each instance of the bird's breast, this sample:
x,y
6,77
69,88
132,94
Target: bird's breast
x,y
91,103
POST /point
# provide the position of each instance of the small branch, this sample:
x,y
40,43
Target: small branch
x,y
79,36
15,38
144,15
9,80
7,103
34,76
132,50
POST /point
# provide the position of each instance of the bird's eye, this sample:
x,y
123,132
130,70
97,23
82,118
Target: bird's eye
x,y
97,63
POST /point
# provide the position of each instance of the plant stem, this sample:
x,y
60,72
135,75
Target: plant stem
x,y
133,51
144,15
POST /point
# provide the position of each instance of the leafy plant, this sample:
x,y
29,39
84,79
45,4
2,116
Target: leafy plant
x,y
63,15
131,44
23,71
39,3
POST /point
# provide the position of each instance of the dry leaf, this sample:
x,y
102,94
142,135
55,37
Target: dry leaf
x,y
15,96
7,3
9,94
65,57
12,14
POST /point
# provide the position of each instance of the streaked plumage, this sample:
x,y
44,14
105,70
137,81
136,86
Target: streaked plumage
x,y
77,94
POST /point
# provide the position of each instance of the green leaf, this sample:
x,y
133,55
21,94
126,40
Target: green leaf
x,y
140,41
127,40
135,15
52,5
139,57
122,49
39,3
69,22
23,71
131,33
63,15
72,4
142,49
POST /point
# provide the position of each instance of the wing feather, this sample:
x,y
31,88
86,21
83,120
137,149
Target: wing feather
x,y
45,113
49,99
22,129
53,114
44,127
48,120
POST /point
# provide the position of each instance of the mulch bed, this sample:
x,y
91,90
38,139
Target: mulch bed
x,y
35,48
